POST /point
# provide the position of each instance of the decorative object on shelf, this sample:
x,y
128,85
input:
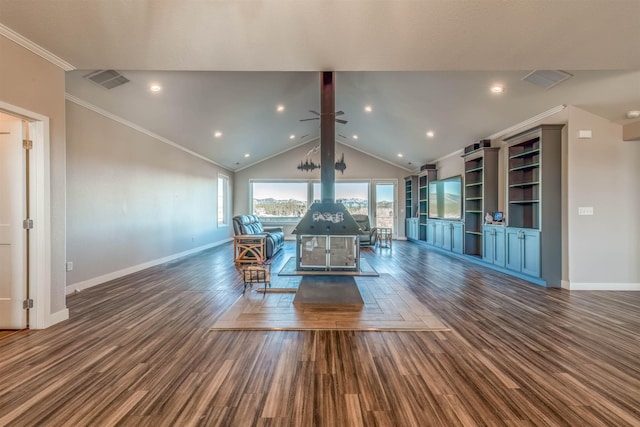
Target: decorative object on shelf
x,y
483,143
308,166
341,165
488,218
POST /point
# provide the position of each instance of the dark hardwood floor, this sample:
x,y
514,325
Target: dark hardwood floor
x,y
138,351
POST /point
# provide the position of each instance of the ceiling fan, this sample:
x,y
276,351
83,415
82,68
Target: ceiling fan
x,y
337,113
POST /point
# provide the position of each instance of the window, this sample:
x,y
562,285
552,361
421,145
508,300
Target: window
x,y
223,200
353,195
279,200
288,201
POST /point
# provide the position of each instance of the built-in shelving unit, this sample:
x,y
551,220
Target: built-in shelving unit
x,y
411,207
533,199
411,199
481,195
524,183
424,178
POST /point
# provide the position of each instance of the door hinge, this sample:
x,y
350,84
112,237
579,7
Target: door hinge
x,y
27,144
27,304
27,224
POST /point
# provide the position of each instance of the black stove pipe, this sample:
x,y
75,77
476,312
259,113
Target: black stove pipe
x,y
327,137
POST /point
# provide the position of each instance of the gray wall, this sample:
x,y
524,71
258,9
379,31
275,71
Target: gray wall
x,y
603,173
33,83
133,199
283,166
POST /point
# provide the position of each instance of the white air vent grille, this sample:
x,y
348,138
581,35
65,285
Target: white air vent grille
x,y
546,78
107,78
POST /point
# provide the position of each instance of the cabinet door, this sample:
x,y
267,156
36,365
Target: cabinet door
x,y
431,232
447,235
498,247
457,238
488,244
439,234
531,253
514,250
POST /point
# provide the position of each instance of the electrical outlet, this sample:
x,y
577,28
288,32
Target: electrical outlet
x,y
69,266
585,210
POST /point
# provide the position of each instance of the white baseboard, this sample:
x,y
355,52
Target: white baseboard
x,y
57,317
600,286
85,284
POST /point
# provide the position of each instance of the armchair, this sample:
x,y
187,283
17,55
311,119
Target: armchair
x,y
368,235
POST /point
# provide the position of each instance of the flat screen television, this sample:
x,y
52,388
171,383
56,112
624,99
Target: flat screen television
x,y
445,198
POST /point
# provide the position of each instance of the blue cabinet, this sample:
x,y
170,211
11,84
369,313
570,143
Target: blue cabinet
x,y
411,228
523,251
493,241
447,235
431,232
457,237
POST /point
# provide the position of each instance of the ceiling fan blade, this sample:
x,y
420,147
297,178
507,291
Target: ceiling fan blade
x,y
314,112
344,122
304,120
339,113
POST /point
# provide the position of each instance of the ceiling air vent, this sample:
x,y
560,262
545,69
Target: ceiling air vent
x,y
107,78
546,78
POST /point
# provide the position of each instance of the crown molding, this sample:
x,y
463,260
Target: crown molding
x,y
528,122
38,50
138,128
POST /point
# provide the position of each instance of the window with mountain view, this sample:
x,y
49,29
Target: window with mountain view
x,y
278,200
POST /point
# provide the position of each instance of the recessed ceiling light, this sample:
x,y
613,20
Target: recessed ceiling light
x,y
280,108
430,134
400,155
368,108
355,136
633,114
247,155
217,134
155,88
292,136
497,88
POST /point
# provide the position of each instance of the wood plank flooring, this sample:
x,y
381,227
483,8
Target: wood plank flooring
x,y
138,351
388,306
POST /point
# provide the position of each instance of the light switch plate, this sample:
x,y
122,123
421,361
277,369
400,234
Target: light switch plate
x,y
69,266
585,210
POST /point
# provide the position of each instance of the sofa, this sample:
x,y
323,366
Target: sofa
x,y
250,224
368,235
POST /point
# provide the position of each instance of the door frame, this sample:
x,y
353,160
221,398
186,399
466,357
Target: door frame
x,y
373,198
40,203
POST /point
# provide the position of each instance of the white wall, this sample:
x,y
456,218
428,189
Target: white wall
x,y
132,200
359,166
451,165
603,173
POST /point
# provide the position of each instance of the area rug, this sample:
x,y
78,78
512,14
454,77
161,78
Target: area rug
x,y
366,270
388,306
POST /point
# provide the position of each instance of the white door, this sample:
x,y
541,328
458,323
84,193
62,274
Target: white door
x,y
385,209
12,235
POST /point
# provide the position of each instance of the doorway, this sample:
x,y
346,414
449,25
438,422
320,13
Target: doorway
x,y
37,265
13,237
385,206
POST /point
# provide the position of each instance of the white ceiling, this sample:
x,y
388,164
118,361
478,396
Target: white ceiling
x,y
422,65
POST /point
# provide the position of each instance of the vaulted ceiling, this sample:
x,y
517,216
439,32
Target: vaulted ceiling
x,y
421,65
